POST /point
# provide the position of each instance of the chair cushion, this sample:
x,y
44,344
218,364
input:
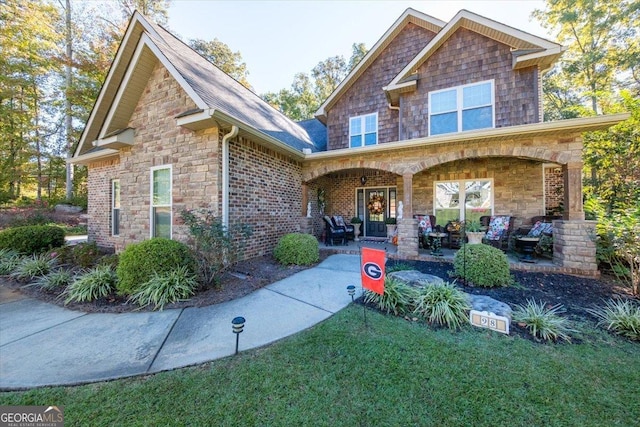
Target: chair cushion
x,y
498,225
424,224
540,228
338,220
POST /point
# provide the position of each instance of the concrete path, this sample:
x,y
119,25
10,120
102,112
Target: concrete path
x,y
43,344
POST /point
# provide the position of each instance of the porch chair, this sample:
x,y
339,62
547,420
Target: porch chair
x,y
426,224
499,231
338,222
333,233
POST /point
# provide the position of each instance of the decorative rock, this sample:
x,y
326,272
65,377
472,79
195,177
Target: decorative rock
x,y
485,303
416,279
68,209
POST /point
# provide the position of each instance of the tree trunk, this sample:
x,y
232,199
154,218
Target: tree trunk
x,y
68,118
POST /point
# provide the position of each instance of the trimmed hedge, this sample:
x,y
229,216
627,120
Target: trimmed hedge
x,y
139,262
484,266
32,239
297,249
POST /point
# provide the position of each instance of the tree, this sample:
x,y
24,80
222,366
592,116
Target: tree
x,y
223,57
156,10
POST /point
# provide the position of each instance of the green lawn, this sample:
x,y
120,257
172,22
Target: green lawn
x,y
389,373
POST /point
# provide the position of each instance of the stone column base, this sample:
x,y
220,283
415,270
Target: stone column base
x,y
574,246
407,238
306,225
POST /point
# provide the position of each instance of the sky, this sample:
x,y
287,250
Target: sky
x,y
278,39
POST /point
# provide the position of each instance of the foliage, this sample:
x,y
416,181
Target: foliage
x,y
219,54
396,299
620,316
297,249
55,279
390,221
9,260
32,239
91,285
472,226
482,265
83,255
110,259
156,10
176,285
34,266
356,220
442,304
543,322
139,262
30,216
216,247
397,266
618,241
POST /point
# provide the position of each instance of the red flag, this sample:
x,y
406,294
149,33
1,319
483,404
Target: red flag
x,y
372,269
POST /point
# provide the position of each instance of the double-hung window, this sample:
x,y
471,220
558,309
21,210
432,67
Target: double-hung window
x,y
462,200
161,201
461,108
363,130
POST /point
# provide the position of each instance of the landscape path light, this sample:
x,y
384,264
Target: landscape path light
x,y
237,326
351,290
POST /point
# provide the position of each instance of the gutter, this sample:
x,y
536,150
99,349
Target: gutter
x,y
225,175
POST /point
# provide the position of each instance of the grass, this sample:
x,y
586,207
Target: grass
x,y
391,372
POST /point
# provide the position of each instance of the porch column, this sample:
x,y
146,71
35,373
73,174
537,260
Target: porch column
x,y
573,209
407,226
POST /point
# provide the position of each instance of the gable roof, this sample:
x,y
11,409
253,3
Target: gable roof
x,y
217,96
408,16
527,49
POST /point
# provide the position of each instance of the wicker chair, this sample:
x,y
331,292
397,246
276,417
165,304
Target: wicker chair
x,y
333,234
499,230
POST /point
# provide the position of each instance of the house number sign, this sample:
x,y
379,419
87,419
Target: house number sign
x,y
484,319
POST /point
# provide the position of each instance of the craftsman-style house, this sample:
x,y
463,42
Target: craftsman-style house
x,y
443,116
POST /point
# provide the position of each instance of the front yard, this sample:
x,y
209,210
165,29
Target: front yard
x,y
388,372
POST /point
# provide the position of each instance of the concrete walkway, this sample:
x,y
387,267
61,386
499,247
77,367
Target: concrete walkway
x,y
43,344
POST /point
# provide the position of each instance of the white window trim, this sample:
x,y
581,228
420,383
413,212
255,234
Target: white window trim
x,y
151,205
459,107
462,193
362,119
113,202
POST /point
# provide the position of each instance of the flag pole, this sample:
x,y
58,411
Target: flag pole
x,y
364,306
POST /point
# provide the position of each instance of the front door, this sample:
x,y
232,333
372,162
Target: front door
x,y
375,212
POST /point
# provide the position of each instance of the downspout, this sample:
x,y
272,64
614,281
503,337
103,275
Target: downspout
x,y
225,175
391,107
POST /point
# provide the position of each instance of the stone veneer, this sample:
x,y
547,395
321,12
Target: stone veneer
x,y
574,248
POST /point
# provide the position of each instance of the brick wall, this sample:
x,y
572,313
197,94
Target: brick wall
x,y
554,190
366,95
467,57
99,179
265,193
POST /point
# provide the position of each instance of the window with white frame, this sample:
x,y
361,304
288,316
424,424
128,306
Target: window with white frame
x,y
462,108
161,217
462,200
363,130
115,207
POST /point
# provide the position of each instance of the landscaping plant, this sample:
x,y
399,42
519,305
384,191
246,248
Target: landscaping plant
x,y
543,322
297,249
139,262
91,285
32,239
176,285
33,266
9,260
482,265
620,316
54,280
396,299
443,304
216,247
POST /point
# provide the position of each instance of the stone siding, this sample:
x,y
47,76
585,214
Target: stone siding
x,y
366,95
468,57
574,248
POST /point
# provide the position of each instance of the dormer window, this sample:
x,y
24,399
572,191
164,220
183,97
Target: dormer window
x,y
363,130
461,108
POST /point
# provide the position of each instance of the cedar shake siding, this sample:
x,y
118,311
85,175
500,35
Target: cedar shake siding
x,y
366,95
468,57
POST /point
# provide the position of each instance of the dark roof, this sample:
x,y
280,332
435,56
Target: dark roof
x,y
221,92
317,132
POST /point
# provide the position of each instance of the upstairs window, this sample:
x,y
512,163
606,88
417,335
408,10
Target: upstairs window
x,y
363,130
461,108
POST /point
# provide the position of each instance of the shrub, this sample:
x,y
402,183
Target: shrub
x,y
216,247
55,280
543,322
177,285
396,298
33,266
297,249
398,266
622,317
111,260
482,265
32,239
442,304
84,255
9,260
139,261
91,285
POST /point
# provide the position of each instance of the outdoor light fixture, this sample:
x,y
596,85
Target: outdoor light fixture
x,y
351,290
363,180
237,325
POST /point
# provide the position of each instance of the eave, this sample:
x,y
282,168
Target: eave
x,y
116,140
94,156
